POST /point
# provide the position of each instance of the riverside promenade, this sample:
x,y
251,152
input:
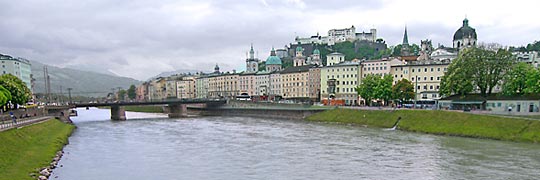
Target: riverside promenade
x,y
6,125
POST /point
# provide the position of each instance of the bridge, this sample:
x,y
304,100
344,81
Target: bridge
x,y
177,107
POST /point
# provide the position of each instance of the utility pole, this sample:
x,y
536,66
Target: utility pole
x,y
61,97
415,91
69,93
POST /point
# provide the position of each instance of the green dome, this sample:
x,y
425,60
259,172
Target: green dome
x,y
465,31
273,60
299,48
316,51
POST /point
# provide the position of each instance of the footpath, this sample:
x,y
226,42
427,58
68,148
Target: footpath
x,y
6,125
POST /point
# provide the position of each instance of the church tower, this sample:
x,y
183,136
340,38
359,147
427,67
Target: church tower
x,y
405,49
252,63
299,60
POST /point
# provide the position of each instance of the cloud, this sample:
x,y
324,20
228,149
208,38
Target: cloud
x,y
139,38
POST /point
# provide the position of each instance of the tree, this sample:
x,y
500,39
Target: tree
x,y
366,89
515,80
5,96
403,90
456,80
532,85
131,92
18,90
383,90
484,69
121,94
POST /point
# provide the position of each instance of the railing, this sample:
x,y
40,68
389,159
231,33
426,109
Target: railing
x,y
8,124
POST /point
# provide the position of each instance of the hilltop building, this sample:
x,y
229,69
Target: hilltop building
x,y
339,35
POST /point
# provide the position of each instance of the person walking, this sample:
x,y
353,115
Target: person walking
x,y
13,118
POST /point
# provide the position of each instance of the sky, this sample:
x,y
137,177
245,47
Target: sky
x,y
142,38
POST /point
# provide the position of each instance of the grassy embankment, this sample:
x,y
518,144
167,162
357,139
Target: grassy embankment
x,y
147,109
26,150
440,122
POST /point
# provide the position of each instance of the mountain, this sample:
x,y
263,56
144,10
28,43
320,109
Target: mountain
x,y
84,83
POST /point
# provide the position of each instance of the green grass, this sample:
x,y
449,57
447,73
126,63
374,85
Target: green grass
x,y
26,150
440,122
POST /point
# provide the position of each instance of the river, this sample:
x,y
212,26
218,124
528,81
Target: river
x,y
152,146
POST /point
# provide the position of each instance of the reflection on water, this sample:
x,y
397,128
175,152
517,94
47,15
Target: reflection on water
x,y
155,147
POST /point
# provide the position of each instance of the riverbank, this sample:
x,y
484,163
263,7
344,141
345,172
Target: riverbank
x,y
28,149
439,122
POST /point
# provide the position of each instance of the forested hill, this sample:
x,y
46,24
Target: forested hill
x,y
84,83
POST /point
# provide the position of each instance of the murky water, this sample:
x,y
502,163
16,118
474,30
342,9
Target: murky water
x,y
155,147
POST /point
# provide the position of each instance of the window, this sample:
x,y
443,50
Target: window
x,y
412,70
425,69
431,69
431,78
438,69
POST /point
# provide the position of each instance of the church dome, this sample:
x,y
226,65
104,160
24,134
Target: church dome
x,y
316,51
299,48
465,31
273,59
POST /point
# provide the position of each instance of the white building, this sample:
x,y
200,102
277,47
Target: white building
x,y
340,35
528,57
334,58
19,67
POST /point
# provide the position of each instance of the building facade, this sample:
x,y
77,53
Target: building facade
x,y
347,77
19,67
425,75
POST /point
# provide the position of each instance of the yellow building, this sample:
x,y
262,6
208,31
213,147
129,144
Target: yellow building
x,y
223,85
185,88
425,75
347,78
295,82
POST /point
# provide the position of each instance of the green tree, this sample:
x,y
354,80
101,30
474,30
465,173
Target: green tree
x,y
456,80
383,90
485,69
403,90
18,90
367,87
515,80
533,81
5,96
121,94
131,92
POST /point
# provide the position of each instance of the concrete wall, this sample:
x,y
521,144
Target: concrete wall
x,y
295,114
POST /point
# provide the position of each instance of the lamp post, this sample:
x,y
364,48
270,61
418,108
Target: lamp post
x,y
69,94
415,90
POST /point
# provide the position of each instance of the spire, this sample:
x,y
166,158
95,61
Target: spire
x,y
405,37
273,52
251,52
465,22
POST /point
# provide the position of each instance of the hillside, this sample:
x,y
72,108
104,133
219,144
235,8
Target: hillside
x,y
84,83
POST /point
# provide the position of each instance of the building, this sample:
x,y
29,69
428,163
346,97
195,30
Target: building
x,y
275,86
493,104
142,92
379,66
444,53
252,63
465,36
157,89
295,83
405,49
314,83
19,67
334,58
186,87
340,35
315,58
273,62
346,76
262,85
528,57
223,85
425,75
299,59
201,87
246,83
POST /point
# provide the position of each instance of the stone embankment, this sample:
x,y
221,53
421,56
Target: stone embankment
x,y
46,172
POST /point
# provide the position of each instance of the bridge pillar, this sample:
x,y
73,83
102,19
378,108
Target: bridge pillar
x,y
118,113
177,110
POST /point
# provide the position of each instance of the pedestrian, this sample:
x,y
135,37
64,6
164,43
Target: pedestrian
x,y
13,118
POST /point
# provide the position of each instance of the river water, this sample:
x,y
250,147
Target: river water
x,y
152,146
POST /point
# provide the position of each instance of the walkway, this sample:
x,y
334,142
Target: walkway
x,y
5,125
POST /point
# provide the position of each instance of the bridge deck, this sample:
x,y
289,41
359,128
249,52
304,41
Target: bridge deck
x,y
190,101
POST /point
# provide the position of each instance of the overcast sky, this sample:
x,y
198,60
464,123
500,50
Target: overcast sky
x,y
142,38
